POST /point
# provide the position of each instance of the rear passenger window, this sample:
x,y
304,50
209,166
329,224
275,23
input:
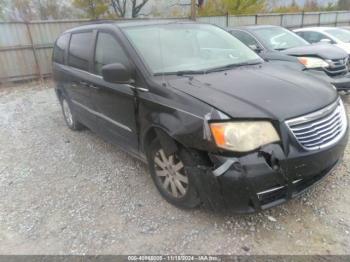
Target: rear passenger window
x,y
79,50
60,48
108,51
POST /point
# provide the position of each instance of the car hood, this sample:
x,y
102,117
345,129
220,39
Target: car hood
x,y
344,46
261,91
324,51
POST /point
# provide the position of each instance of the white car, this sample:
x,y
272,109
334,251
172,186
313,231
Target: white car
x,y
332,35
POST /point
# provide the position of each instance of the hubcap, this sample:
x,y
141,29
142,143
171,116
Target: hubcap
x,y
170,172
67,113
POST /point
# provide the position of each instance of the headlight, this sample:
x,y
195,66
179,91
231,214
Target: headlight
x,y
313,62
243,136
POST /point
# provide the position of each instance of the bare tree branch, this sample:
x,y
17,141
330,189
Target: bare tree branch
x,y
136,8
119,7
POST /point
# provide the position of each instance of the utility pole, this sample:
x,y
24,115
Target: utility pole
x,y
193,10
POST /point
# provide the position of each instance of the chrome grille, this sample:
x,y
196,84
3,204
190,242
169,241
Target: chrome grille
x,y
337,67
321,128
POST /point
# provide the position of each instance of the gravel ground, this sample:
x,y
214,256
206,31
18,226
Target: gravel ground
x,y
64,192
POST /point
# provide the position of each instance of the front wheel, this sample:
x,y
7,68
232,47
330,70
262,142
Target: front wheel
x,y
171,177
69,117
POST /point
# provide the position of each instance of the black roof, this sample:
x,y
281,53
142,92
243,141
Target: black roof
x,y
127,23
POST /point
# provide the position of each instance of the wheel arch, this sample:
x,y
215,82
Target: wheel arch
x,y
168,142
59,94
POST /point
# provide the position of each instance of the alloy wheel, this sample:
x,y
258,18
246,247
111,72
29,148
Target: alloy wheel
x,y
171,174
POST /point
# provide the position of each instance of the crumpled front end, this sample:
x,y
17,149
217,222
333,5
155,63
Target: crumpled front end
x,y
266,178
313,146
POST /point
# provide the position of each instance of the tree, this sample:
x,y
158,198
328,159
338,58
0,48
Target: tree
x,y
49,9
330,7
200,3
27,10
94,9
2,9
287,9
311,5
343,4
136,8
120,7
245,6
292,8
22,10
222,7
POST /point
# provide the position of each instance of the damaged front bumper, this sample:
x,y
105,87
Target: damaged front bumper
x,y
267,178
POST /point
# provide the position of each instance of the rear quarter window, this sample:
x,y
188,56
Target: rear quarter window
x,y
60,49
80,50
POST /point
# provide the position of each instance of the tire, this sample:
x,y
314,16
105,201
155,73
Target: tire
x,y
69,116
173,177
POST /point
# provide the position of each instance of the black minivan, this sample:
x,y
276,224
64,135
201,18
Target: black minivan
x,y
216,124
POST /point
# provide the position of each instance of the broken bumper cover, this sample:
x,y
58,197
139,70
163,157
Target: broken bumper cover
x,y
256,181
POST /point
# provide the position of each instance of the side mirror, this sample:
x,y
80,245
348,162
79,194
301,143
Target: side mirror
x,y
116,73
255,48
326,41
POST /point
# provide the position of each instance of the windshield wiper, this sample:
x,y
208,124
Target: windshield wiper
x,y
182,72
227,67
202,72
190,72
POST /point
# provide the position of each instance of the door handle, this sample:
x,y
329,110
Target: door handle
x,y
94,87
83,83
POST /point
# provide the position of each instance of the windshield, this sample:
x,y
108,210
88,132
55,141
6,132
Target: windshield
x,y
172,48
341,34
278,38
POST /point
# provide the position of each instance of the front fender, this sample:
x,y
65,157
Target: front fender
x,y
185,123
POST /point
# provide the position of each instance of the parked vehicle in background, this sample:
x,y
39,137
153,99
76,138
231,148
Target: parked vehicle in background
x,y
330,35
278,44
215,123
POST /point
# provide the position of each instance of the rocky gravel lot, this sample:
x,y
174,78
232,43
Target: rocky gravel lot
x,y
64,192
